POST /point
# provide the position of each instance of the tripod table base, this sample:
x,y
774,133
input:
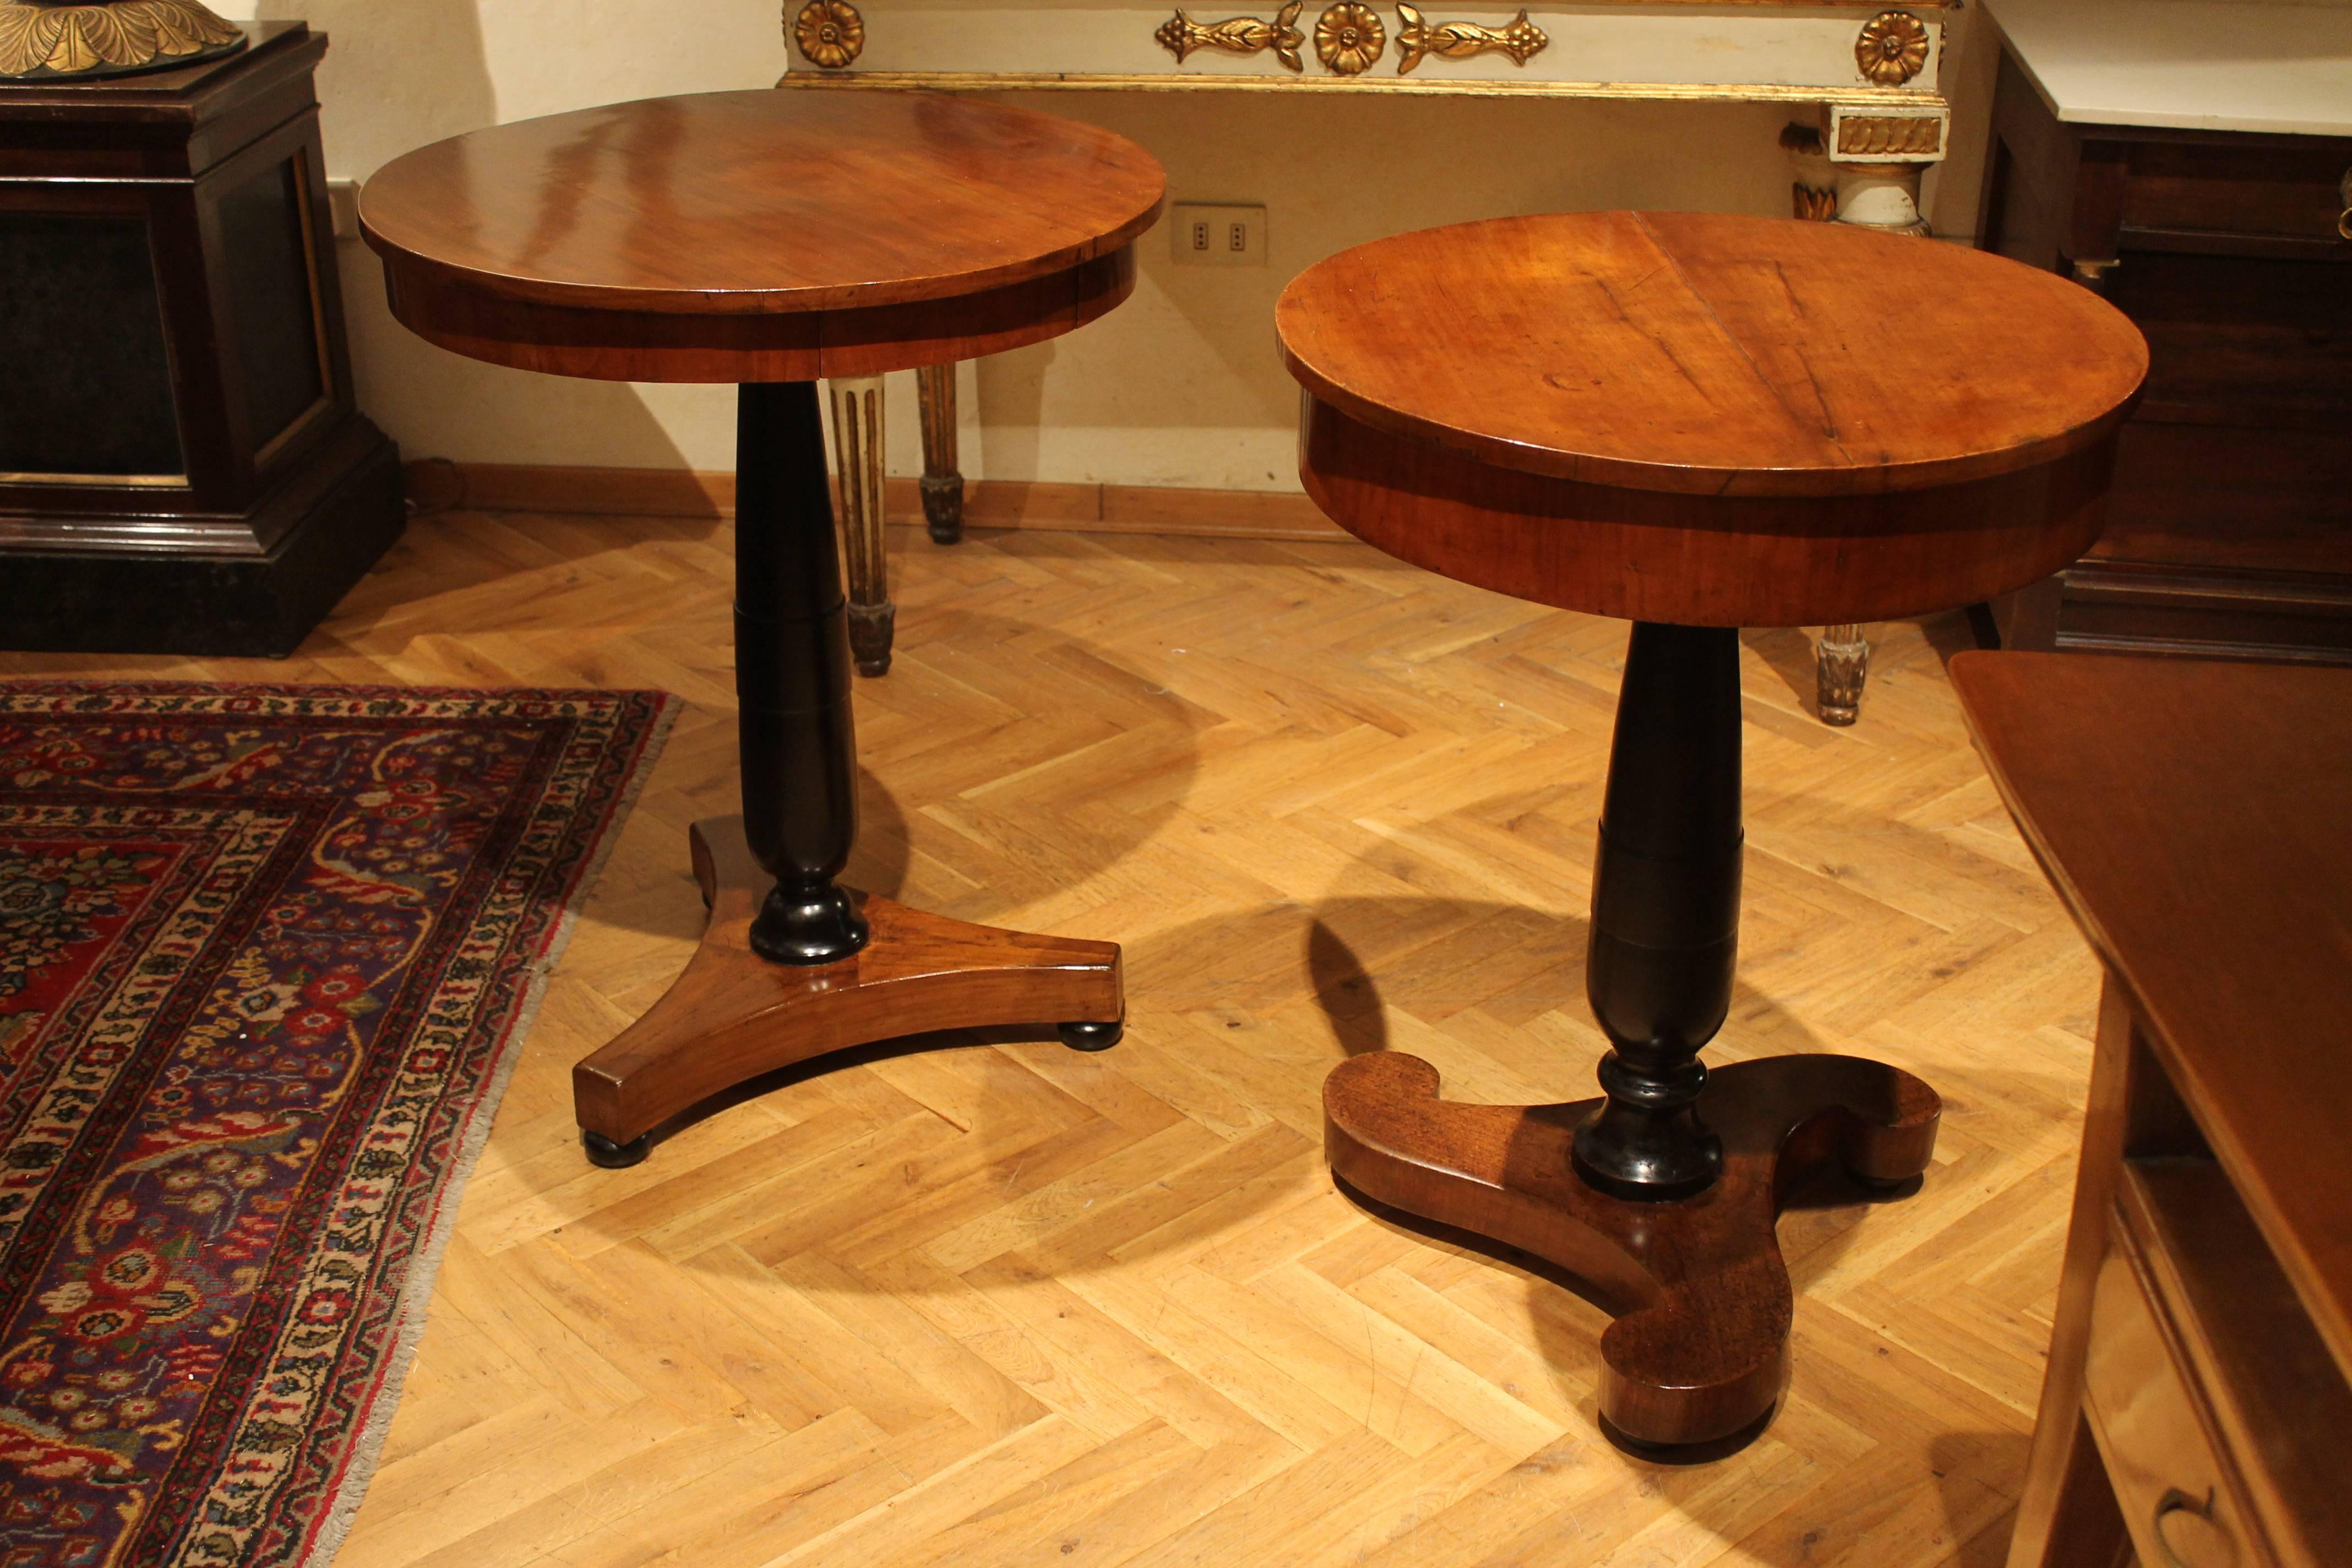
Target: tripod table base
x,y
1699,1350
734,1016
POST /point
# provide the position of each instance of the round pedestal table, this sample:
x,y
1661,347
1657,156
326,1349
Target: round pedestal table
x,y
769,239
1693,423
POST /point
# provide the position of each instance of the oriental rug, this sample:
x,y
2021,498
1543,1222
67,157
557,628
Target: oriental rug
x,y
264,953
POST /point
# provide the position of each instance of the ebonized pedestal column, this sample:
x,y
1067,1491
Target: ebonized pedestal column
x,y
794,965
1662,1194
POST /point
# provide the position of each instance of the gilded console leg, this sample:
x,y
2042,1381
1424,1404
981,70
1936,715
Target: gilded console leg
x,y
734,1016
858,460
942,483
1699,1350
1843,661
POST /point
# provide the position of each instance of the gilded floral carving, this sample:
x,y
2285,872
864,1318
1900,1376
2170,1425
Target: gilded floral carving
x,y
1237,36
1349,38
1892,48
829,33
1416,38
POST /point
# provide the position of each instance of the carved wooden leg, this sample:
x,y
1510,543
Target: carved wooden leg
x,y
1839,187
1869,196
1699,1352
1884,197
858,458
1661,1198
792,964
1842,662
942,484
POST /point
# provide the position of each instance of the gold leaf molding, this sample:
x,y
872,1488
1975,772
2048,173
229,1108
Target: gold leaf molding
x,y
1522,40
1180,36
1886,134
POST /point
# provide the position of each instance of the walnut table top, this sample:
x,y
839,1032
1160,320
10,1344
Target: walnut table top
x,y
1709,420
760,235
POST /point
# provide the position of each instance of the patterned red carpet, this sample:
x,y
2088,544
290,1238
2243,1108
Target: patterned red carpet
x,y
262,952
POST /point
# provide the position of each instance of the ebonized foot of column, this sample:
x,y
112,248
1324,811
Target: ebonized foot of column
x,y
1699,1352
734,1016
1092,1036
606,1154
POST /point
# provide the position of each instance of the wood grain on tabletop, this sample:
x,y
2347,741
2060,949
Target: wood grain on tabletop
x,y
1712,354
760,235
1707,420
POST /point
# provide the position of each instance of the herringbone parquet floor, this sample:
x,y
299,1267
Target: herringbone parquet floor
x,y
997,1302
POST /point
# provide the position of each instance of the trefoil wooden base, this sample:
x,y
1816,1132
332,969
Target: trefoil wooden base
x,y
734,1016
1699,1352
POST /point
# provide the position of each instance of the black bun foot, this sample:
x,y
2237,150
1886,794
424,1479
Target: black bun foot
x,y
1091,1037
611,1156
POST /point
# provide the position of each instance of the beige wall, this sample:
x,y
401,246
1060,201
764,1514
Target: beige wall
x,y
1180,386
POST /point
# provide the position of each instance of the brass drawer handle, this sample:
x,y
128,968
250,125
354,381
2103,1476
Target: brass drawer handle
x,y
2173,1501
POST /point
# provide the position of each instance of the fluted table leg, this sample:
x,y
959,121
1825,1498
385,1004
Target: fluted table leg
x,y
857,411
942,481
1842,665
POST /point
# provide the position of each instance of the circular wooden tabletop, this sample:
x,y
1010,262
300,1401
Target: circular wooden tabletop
x,y
761,235
1708,420
1711,354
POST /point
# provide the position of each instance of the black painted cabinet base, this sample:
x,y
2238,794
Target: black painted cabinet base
x,y
331,522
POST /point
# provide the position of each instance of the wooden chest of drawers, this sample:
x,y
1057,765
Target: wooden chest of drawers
x,y
2231,522
2204,1380
2199,1385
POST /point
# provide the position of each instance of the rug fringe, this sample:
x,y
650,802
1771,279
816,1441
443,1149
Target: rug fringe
x,y
349,1489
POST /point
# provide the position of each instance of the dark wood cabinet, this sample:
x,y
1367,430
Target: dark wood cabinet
x,y
182,468
2230,531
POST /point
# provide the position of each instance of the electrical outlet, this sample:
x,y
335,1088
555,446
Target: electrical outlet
x,y
343,205
1204,236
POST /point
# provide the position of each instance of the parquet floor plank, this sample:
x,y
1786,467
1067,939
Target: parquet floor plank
x,y
987,1302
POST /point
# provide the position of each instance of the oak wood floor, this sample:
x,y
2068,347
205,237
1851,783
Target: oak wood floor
x,y
997,1302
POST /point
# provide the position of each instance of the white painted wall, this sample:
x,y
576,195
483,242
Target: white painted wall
x,y
1180,386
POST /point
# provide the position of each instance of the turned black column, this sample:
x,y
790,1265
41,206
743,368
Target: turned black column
x,y
791,676
1666,911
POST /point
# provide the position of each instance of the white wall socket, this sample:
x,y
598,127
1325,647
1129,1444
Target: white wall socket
x,y
1204,236
343,204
